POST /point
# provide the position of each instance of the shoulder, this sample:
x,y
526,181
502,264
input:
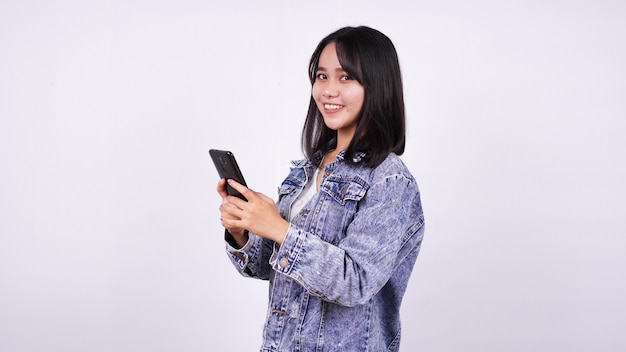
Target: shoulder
x,y
392,166
391,184
392,179
392,173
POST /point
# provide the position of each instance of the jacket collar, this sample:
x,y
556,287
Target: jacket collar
x,y
358,157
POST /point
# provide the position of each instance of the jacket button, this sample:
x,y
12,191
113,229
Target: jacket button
x,y
284,262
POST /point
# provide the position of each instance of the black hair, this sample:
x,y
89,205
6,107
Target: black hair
x,y
369,57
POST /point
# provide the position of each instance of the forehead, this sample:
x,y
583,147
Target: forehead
x,y
328,57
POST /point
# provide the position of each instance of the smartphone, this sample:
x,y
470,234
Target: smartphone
x,y
228,168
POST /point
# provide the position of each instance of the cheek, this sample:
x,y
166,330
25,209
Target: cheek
x,y
316,93
357,96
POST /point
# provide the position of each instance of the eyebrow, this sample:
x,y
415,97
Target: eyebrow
x,y
338,69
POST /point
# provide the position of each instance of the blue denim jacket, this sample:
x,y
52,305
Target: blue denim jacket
x,y
337,280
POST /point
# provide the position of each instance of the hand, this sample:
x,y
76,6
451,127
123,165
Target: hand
x,y
259,214
239,234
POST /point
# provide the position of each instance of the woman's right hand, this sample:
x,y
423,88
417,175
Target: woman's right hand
x,y
239,234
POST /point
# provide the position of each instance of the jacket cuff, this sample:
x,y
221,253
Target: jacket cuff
x,y
240,257
286,257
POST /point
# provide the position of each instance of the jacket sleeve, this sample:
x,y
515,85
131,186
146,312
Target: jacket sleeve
x,y
252,260
386,229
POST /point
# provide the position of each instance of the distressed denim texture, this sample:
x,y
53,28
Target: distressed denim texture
x,y
337,280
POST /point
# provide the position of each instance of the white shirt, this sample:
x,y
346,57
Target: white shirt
x,y
305,196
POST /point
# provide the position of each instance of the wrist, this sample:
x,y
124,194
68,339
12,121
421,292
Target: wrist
x,y
281,231
238,239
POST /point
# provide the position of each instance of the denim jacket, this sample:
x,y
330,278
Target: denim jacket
x,y
337,280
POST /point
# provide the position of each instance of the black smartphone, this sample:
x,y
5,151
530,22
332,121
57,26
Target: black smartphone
x,y
228,168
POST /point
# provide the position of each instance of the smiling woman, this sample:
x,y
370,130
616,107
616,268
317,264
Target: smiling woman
x,y
338,96
366,58
340,245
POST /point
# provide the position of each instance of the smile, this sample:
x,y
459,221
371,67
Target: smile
x,y
332,106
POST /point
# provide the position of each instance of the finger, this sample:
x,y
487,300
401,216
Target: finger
x,y
266,198
230,210
221,188
245,191
226,210
231,224
228,218
228,207
235,202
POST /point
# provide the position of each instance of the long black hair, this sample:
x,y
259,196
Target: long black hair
x,y
369,57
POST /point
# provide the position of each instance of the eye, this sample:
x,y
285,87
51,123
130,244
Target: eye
x,y
346,78
321,76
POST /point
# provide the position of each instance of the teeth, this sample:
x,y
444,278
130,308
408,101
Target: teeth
x,y
332,106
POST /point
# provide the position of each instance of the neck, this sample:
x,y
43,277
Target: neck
x,y
343,139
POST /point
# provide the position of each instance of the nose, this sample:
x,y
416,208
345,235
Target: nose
x,y
330,88
329,92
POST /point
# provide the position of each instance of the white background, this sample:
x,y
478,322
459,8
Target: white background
x,y
109,231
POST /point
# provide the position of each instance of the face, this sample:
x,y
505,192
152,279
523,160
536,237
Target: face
x,y
338,96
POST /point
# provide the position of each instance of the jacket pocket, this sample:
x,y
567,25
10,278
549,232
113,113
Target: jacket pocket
x,y
340,202
343,190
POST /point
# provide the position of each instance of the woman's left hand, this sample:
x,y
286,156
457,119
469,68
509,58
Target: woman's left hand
x,y
258,215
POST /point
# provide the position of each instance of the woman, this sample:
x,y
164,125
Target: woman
x,y
340,244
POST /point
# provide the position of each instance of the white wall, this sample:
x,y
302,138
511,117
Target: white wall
x,y
109,231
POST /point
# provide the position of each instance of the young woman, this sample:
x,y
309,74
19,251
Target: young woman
x,y
340,244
